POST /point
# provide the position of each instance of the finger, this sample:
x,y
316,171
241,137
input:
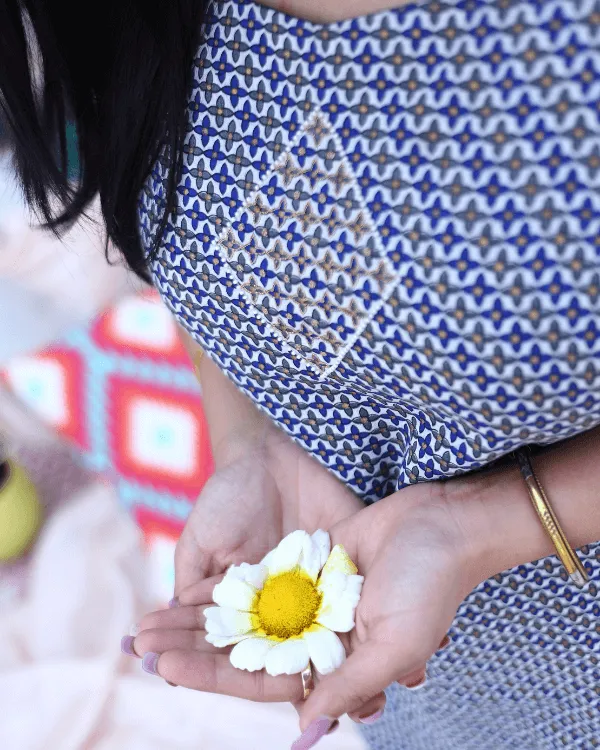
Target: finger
x,y
365,674
191,564
181,618
201,592
371,711
415,679
214,673
159,641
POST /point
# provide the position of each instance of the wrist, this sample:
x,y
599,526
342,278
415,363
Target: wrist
x,y
500,524
240,443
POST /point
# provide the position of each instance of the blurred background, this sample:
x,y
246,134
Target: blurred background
x,y
103,449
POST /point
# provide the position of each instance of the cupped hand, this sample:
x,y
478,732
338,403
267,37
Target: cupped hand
x,y
419,564
250,503
245,509
420,560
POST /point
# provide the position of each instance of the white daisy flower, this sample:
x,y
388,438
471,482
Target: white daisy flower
x,y
284,612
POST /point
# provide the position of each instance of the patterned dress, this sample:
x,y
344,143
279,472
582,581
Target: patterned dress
x,y
388,237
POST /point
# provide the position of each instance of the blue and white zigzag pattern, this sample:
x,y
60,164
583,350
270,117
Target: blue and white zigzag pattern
x,y
389,237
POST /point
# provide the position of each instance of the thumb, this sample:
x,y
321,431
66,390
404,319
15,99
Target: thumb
x,y
365,674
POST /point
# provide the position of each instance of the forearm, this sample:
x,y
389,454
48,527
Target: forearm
x,y
235,425
504,521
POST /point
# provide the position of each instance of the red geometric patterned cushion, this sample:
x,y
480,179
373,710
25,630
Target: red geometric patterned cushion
x,y
124,392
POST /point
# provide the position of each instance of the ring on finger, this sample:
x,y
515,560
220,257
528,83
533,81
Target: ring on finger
x,y
308,681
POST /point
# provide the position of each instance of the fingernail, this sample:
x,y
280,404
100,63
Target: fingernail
x,y
372,718
418,685
313,733
135,630
150,662
174,602
127,645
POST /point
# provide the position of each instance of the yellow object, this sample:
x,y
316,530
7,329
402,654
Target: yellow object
x,y
289,602
339,562
569,558
20,513
287,605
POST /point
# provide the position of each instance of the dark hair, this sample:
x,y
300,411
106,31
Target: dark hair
x,y
118,72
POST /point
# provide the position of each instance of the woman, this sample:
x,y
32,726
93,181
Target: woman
x,y
383,231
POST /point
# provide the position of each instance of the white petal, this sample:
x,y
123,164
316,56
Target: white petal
x,y
287,657
322,540
226,621
233,592
268,559
341,584
325,649
286,555
255,575
220,641
341,594
339,619
315,552
338,562
251,653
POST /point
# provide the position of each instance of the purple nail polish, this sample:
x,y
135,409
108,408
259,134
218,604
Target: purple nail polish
x,y
150,662
127,645
174,602
372,718
313,733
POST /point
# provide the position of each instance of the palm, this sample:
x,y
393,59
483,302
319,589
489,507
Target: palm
x,y
411,589
247,507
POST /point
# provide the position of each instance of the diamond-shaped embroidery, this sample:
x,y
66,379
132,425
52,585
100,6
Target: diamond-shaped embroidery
x,y
306,253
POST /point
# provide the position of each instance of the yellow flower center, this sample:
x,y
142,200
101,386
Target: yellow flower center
x,y
287,605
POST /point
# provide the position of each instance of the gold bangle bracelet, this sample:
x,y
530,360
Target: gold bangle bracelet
x,y
567,555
